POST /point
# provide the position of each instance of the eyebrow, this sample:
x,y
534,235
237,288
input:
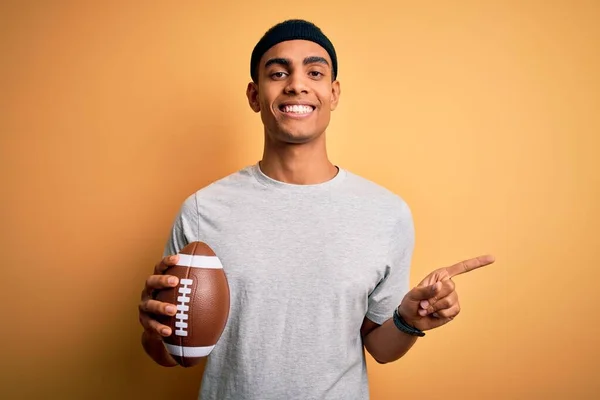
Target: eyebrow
x,y
314,59
286,62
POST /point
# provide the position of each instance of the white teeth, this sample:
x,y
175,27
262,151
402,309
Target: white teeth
x,y
297,109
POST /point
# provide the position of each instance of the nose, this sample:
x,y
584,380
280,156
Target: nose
x,y
296,84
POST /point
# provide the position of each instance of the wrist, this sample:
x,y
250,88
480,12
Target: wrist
x,y
154,346
405,326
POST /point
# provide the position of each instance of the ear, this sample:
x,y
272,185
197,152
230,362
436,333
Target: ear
x,y
335,94
252,94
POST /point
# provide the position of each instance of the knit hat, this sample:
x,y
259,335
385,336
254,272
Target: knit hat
x,y
293,29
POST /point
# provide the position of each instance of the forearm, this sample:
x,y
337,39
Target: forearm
x,y
387,343
155,348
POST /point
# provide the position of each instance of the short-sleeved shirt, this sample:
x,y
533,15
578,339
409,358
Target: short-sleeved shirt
x,y
305,265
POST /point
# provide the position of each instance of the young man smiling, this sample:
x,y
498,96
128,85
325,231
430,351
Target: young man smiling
x,y
317,258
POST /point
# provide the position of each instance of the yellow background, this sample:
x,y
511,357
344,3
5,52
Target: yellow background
x,y
484,116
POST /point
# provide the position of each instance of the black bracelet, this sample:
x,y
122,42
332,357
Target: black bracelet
x,y
404,327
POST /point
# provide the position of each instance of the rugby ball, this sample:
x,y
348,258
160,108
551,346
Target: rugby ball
x,y
202,301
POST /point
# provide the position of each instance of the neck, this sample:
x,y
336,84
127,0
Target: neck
x,y
299,164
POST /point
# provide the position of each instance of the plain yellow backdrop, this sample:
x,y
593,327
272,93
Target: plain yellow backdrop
x,y
482,115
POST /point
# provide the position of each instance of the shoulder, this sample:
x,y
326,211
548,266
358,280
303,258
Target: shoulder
x,y
377,198
226,187
389,210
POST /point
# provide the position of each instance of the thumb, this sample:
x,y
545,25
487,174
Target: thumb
x,y
425,292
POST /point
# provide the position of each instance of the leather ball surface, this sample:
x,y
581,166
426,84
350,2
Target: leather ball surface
x,y
202,301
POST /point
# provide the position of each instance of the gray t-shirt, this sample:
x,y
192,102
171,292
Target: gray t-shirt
x,y
305,264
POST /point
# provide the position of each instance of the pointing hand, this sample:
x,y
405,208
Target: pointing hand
x,y
434,301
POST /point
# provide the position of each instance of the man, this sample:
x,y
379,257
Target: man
x,y
317,258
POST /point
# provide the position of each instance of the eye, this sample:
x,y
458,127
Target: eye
x,y
278,75
316,74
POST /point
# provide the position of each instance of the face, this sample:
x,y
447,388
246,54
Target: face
x,y
295,93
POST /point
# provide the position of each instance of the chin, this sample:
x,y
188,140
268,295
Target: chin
x,y
296,137
297,134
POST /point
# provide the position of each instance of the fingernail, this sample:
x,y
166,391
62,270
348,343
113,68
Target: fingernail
x,y
170,309
172,281
424,304
172,259
422,313
165,331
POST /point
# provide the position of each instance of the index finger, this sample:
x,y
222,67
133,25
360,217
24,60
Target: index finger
x,y
470,265
165,264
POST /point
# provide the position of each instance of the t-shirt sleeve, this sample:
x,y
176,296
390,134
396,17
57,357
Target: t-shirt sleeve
x,y
390,290
184,228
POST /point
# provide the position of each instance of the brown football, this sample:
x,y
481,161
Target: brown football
x,y
202,300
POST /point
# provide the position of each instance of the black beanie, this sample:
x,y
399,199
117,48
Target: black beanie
x,y
293,29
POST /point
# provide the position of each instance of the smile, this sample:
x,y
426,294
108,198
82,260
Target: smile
x,y
297,109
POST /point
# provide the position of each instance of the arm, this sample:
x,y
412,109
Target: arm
x,y
381,338
385,343
431,304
